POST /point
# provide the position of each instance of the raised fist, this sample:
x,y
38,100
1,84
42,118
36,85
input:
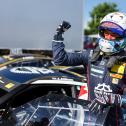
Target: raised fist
x,y
63,27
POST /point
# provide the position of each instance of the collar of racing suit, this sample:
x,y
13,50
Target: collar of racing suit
x,y
112,59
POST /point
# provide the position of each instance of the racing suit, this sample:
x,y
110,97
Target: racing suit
x,y
100,78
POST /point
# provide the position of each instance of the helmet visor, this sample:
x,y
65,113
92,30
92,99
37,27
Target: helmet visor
x,y
109,35
111,27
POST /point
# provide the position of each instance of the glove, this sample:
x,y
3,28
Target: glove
x,y
60,30
98,105
63,27
58,38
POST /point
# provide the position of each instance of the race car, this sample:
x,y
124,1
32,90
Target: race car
x,y
32,96
37,95
39,61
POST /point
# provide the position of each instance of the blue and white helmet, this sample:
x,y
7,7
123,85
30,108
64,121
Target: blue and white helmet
x,y
116,23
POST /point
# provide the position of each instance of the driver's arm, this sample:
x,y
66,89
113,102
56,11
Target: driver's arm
x,y
60,56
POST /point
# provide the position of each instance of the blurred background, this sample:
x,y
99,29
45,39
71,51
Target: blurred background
x,y
29,25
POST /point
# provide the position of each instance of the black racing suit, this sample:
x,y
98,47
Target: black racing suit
x,y
100,78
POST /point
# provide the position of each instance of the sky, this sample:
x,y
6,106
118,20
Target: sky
x,y
88,6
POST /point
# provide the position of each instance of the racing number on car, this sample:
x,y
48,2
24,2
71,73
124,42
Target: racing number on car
x,y
31,70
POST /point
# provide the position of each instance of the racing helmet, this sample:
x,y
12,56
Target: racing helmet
x,y
116,23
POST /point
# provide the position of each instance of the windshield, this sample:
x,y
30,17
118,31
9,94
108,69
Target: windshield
x,y
54,111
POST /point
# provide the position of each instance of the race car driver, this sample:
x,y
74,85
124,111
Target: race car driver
x,y
106,64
